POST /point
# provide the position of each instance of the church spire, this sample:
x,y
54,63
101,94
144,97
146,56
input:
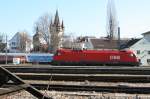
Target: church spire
x,y
51,23
56,20
37,30
62,25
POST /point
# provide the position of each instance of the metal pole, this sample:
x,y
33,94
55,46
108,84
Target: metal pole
x,y
6,50
118,38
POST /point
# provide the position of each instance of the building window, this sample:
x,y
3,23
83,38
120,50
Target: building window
x,y
148,60
138,52
140,60
148,52
13,47
13,43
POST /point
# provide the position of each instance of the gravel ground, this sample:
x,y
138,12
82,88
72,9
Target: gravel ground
x,y
76,95
93,95
18,95
86,82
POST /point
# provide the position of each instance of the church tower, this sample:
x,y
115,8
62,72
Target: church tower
x,y
57,32
36,40
39,44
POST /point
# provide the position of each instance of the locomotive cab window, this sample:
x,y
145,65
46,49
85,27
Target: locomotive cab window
x,y
132,55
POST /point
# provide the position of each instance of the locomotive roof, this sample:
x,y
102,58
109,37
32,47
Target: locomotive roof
x,y
103,51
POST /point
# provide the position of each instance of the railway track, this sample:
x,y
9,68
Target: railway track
x,y
20,85
93,88
84,77
81,70
72,66
95,74
110,89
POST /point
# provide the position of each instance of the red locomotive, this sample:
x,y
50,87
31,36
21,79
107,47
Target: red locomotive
x,y
94,57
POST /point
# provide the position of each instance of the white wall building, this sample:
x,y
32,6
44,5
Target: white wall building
x,y
15,43
142,49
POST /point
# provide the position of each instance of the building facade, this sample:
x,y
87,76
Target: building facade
x,y
39,44
93,43
20,43
142,49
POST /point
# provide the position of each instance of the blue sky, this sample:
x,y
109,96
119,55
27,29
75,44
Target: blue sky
x,y
81,17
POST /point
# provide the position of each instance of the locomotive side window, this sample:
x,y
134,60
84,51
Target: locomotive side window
x,y
114,57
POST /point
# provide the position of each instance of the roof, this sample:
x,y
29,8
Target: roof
x,y
96,51
105,43
148,32
129,43
56,20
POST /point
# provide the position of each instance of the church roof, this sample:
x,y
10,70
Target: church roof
x,y
56,20
62,24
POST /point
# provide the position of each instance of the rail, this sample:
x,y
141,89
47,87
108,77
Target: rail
x,y
19,81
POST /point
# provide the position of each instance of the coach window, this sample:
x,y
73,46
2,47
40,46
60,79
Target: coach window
x,y
138,52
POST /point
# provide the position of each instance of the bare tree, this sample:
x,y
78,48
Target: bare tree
x,y
112,23
68,40
1,37
2,43
25,41
52,31
43,24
